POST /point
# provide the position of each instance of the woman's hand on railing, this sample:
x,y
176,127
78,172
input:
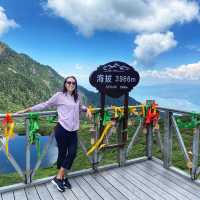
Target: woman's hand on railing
x,y
89,114
23,111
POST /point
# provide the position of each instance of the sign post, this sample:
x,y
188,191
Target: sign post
x,y
115,79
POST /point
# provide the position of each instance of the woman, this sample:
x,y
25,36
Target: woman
x,y
68,104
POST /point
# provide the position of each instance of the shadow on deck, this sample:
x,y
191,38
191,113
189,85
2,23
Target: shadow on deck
x,y
145,180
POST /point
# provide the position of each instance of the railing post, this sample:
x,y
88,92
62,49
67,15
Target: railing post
x,y
167,153
195,152
94,137
28,154
149,141
121,149
180,140
149,136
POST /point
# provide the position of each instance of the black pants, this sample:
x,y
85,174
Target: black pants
x,y
67,146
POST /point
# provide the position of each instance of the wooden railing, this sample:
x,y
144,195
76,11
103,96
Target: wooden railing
x,y
164,141
170,124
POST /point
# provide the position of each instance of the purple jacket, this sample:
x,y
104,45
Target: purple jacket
x,y
68,110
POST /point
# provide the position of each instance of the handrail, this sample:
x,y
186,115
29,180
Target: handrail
x,y
47,113
43,113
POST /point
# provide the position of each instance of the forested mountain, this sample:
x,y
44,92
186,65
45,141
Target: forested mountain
x,y
25,82
94,98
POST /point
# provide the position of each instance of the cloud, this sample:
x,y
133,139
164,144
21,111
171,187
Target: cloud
x,y
80,71
5,23
79,67
193,47
147,18
124,15
149,46
189,72
178,103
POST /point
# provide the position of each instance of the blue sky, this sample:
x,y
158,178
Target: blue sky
x,y
161,39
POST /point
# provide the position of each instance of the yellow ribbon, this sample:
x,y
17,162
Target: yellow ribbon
x,y
91,109
133,110
143,110
99,141
8,125
117,111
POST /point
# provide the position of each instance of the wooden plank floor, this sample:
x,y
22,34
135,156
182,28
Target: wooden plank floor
x,y
146,181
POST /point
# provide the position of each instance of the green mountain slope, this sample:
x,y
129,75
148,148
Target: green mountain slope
x,y
94,98
25,82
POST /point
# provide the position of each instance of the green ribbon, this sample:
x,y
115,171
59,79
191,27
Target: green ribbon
x,y
106,117
195,121
52,119
33,131
120,115
138,118
96,117
147,106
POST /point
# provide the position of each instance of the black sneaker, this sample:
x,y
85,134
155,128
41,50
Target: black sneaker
x,y
59,184
67,183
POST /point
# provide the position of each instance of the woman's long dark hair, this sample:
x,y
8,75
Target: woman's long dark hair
x,y
75,92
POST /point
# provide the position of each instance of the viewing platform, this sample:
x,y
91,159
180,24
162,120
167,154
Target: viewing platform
x,y
142,179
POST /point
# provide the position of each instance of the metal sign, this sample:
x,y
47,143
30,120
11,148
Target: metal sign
x,y
114,78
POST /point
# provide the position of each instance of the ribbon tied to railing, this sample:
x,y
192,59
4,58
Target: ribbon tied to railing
x,y
193,123
151,114
118,112
52,119
106,118
33,131
8,126
98,144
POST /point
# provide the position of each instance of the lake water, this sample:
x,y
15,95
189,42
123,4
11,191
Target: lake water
x,y
17,147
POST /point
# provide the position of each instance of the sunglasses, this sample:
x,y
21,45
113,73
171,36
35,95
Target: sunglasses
x,y
71,83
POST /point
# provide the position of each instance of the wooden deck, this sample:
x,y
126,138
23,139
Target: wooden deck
x,y
145,180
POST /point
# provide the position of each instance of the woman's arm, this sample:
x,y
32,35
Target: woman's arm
x,y
47,104
41,106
